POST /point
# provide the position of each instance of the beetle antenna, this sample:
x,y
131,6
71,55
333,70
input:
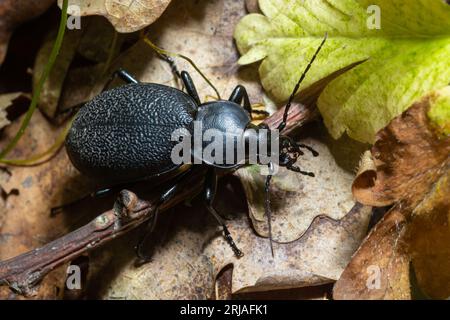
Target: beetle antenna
x,y
163,52
267,206
282,125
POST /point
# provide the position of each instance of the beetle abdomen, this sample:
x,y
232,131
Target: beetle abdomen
x,y
125,133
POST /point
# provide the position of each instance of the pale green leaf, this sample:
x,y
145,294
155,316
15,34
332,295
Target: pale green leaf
x,y
407,57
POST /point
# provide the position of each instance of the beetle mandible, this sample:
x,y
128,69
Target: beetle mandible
x,y
124,135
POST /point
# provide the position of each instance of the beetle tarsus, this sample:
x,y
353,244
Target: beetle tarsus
x,y
267,207
298,170
304,146
146,257
230,241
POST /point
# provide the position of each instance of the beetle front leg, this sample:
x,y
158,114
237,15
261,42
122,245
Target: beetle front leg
x,y
190,86
209,195
240,93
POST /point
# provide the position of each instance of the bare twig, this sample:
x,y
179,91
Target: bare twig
x,y
24,272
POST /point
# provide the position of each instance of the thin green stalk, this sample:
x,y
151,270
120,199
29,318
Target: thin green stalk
x,y
44,76
33,160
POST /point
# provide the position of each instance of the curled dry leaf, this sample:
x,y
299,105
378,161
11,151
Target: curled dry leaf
x,y
15,12
411,156
397,179
124,15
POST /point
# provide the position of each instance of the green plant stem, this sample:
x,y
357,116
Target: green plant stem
x,y
44,156
44,76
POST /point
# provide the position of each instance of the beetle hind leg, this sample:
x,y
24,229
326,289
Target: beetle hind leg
x,y
141,252
141,248
96,194
209,192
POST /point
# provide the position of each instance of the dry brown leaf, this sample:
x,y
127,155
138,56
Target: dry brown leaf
x,y
208,26
296,199
6,100
412,168
30,194
193,252
15,12
379,269
125,15
408,137
429,238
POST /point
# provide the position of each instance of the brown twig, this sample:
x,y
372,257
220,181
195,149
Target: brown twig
x,y
24,272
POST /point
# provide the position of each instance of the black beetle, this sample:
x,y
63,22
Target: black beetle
x,y
124,135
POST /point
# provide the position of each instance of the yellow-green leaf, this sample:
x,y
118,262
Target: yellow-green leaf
x,y
439,112
408,55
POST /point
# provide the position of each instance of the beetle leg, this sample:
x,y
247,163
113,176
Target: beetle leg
x,y
190,86
149,228
166,196
125,76
171,63
122,74
209,195
240,93
97,194
298,170
267,208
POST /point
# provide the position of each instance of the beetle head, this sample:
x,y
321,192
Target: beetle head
x,y
289,153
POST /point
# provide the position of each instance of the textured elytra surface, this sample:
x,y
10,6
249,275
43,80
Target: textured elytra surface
x,y
125,133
